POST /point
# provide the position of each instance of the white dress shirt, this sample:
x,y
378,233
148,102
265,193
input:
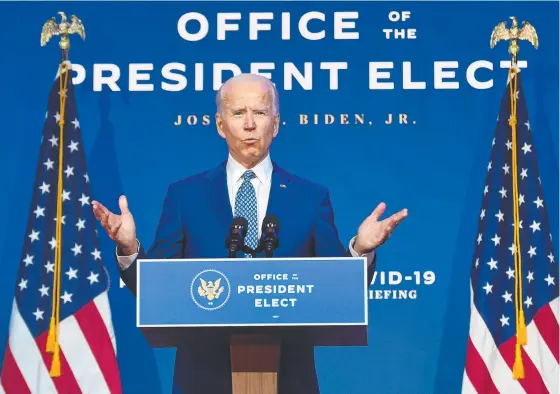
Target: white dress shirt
x,y
261,183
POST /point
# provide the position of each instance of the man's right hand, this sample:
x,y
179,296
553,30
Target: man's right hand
x,y
120,228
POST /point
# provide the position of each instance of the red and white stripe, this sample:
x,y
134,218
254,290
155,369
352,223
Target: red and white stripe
x,y
488,369
88,355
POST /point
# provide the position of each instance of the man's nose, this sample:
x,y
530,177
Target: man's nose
x,y
249,121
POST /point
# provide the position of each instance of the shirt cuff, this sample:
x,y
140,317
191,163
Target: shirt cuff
x,y
369,256
126,261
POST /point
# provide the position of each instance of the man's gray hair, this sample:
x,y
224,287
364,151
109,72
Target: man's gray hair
x,y
251,78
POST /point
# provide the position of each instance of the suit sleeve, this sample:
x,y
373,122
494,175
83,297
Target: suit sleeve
x,y
168,242
327,241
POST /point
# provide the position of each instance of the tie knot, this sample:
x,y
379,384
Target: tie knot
x,y
248,175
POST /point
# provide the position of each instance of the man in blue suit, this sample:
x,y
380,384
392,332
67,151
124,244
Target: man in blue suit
x,y
198,211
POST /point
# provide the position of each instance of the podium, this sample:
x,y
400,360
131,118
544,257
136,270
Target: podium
x,y
255,305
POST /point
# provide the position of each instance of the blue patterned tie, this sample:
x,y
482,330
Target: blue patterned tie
x,y
246,206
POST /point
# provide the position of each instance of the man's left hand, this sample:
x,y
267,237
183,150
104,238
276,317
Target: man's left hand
x,y
374,232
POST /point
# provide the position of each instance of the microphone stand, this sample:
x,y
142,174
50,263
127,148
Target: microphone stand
x,y
268,252
233,245
232,250
268,243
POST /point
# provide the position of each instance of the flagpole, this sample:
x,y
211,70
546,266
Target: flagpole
x,y
64,29
513,35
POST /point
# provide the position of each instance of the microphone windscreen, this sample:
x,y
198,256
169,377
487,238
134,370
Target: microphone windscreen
x,y
271,221
240,221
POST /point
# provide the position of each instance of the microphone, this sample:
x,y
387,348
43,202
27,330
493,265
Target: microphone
x,y
269,236
236,237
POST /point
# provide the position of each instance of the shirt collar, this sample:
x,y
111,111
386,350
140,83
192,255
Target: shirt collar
x,y
263,170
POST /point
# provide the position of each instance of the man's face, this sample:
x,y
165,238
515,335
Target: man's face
x,y
248,122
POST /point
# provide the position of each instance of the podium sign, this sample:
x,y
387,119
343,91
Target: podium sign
x,y
256,305
252,292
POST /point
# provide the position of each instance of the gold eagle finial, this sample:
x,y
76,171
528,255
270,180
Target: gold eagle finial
x,y
62,29
514,34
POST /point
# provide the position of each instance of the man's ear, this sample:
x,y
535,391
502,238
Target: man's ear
x,y
276,126
220,125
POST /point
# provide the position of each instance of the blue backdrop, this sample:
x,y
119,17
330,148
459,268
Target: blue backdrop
x,y
434,165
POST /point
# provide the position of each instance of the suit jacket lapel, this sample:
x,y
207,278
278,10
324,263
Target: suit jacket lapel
x,y
281,194
218,196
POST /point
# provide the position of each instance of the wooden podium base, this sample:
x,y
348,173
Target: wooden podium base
x,y
255,362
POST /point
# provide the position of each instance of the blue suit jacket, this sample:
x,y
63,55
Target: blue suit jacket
x,y
194,223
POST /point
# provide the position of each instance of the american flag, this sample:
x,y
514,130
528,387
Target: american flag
x,y
495,280
87,345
